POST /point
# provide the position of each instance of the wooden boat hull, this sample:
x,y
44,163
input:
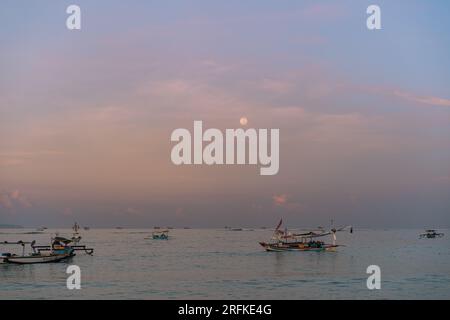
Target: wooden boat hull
x,y
297,247
37,258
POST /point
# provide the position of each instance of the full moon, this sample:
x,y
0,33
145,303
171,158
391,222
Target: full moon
x,y
243,121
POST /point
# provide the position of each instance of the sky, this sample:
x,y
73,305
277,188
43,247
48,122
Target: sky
x,y
86,116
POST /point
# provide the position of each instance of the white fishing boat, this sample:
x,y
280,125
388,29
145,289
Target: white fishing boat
x,y
282,240
59,250
34,257
38,258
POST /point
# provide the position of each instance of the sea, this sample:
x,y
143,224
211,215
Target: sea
x,y
223,264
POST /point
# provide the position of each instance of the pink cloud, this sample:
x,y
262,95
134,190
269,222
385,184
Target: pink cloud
x,y
323,11
279,200
13,199
5,201
179,212
283,201
133,211
276,86
67,212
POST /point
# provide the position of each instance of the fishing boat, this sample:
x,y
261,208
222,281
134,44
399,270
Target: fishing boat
x,y
61,244
282,240
35,257
59,250
160,235
431,234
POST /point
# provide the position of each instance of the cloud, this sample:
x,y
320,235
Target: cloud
x,y
67,212
283,201
429,100
442,179
14,199
279,200
133,211
8,159
215,67
179,212
5,201
323,11
276,86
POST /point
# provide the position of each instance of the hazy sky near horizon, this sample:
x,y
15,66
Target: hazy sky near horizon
x,y
86,116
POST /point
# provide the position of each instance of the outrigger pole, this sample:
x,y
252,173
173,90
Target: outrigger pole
x,y
20,242
89,251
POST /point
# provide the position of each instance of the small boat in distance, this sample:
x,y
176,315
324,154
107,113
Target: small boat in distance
x,y
160,235
87,228
307,241
76,236
431,234
233,229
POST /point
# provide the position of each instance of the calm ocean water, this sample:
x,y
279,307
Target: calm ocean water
x,y
220,264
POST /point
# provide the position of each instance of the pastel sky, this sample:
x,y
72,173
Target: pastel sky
x,y
86,116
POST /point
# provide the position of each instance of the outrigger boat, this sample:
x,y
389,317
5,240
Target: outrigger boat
x,y
431,234
59,244
59,250
35,257
307,241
